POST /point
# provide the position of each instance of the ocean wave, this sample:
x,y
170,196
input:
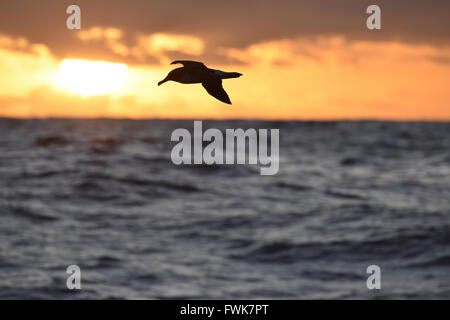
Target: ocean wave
x,y
105,194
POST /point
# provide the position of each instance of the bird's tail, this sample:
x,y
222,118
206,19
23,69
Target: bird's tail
x,y
227,75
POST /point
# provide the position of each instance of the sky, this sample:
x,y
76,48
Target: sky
x,y
300,59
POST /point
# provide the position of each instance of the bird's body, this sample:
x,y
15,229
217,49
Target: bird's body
x,y
197,72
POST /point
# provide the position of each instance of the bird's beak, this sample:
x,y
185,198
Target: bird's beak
x,y
162,81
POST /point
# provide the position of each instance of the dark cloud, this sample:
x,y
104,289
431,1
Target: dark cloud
x,y
223,23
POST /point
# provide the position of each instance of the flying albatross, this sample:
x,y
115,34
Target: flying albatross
x,y
197,72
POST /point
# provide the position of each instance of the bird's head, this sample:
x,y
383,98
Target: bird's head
x,y
169,77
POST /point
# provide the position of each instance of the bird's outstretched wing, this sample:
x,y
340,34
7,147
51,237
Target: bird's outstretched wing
x,y
214,87
190,64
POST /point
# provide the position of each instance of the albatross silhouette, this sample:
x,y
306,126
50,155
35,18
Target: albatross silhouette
x,y
197,72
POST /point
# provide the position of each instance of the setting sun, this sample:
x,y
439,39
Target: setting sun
x,y
89,78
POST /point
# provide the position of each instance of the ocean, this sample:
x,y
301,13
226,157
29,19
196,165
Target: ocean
x,y
104,195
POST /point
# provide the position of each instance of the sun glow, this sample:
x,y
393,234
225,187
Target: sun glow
x,y
89,78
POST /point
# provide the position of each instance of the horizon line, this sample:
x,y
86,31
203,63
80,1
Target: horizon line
x,y
431,120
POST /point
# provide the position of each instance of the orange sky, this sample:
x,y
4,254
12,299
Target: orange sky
x,y
320,76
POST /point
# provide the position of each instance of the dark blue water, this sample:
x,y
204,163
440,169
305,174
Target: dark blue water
x,y
104,195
